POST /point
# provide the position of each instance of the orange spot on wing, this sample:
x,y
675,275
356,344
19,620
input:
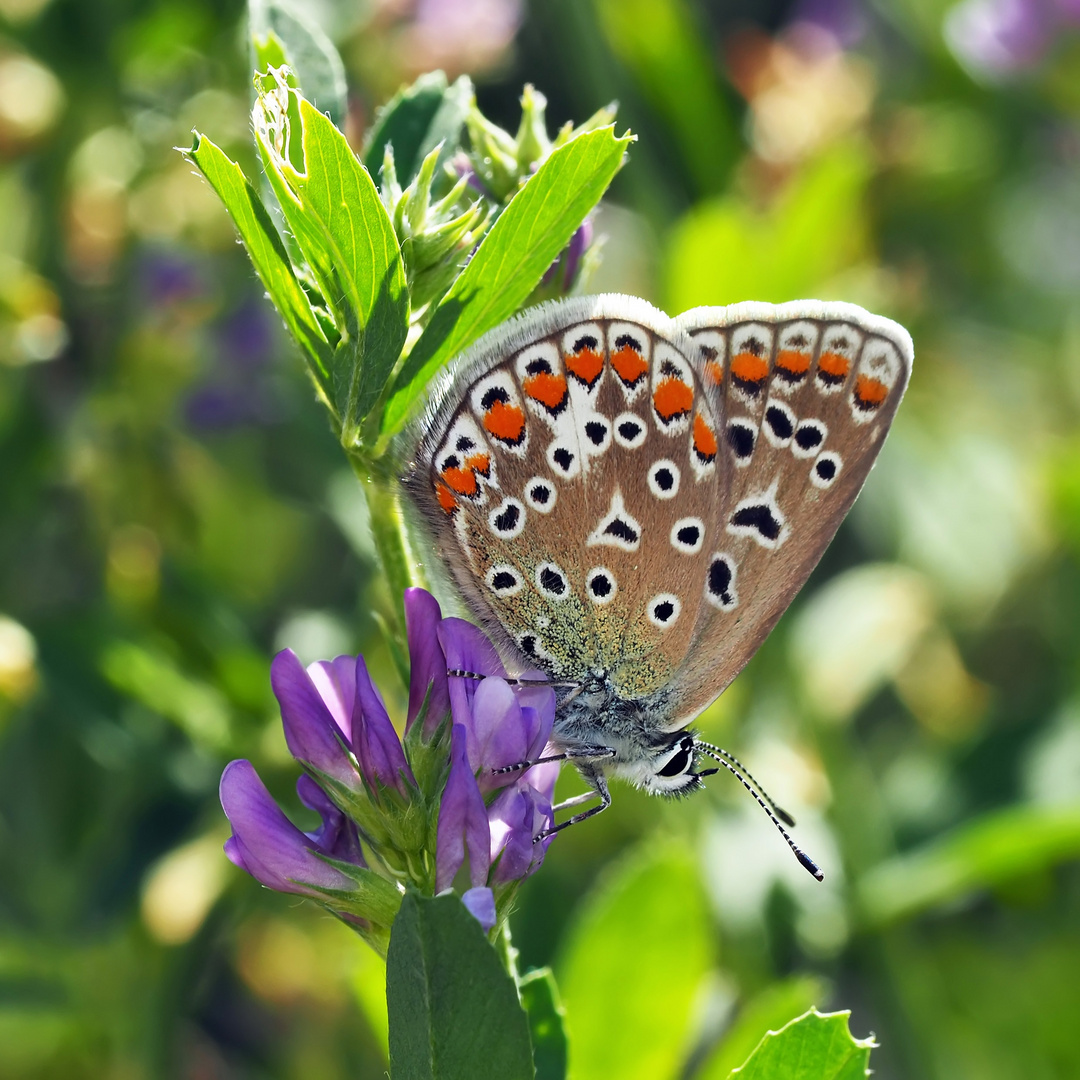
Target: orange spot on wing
x,y
586,365
672,398
869,392
748,368
480,463
793,361
446,498
834,365
463,481
506,422
546,388
714,371
704,438
629,364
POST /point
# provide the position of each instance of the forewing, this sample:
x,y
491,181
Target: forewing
x,y
571,475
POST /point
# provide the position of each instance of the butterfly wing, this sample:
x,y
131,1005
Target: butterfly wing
x,y
571,475
805,393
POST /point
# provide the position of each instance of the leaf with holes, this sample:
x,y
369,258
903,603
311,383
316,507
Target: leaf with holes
x,y
333,209
282,34
268,254
816,1046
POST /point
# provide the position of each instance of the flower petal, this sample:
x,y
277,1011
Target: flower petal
x,y
497,733
519,813
310,731
337,836
265,842
335,680
377,745
427,662
467,649
481,904
463,821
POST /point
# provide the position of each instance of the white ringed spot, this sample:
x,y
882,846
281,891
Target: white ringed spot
x,y
595,434
687,535
601,585
541,494
810,436
825,470
664,479
663,610
551,581
564,460
778,423
532,646
758,517
720,582
630,430
617,528
507,520
742,438
503,580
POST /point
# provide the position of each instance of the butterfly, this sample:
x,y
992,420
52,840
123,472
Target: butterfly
x,y
629,502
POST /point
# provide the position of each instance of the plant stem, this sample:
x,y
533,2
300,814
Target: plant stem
x,y
391,540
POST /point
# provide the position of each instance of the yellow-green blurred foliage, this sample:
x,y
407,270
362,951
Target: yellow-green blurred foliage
x,y
173,510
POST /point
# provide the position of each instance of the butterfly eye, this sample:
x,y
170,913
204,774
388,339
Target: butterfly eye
x,y
678,764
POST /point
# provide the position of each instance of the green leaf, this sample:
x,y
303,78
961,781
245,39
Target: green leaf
x,y
669,55
416,120
991,851
540,999
632,968
267,253
766,1011
511,259
453,1010
344,232
817,1046
282,33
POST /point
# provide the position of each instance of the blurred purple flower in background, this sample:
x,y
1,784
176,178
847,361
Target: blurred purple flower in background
x,y
422,805
844,20
994,39
237,390
461,35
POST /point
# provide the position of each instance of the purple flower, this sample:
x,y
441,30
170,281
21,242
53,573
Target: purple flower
x,y
427,664
844,20
463,823
313,733
333,706
570,258
516,817
377,745
481,904
503,732
336,723
272,849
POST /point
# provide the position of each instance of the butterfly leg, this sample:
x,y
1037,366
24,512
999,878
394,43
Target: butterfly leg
x,y
596,778
590,752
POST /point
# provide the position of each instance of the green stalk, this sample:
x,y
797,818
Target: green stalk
x,y
391,540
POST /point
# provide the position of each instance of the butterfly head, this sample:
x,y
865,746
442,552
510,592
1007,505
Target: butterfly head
x,y
669,767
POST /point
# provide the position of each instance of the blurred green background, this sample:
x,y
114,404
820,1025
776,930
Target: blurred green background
x,y
173,509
